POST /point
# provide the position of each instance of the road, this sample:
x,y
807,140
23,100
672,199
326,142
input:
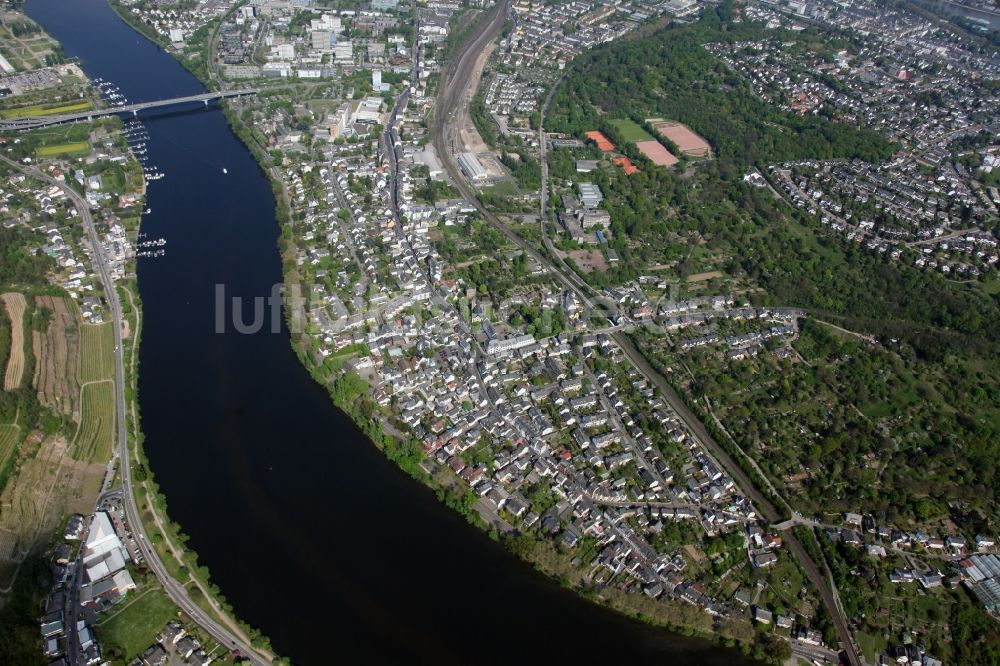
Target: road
x,y
454,83
37,122
175,590
820,581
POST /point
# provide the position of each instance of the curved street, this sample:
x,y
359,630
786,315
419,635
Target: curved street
x,y
454,82
175,590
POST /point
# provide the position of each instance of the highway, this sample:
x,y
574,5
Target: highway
x,y
174,589
36,122
454,81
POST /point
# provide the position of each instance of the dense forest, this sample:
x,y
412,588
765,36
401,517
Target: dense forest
x,y
671,75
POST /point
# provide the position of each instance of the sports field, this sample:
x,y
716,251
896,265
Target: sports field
x,y
603,143
687,141
630,131
656,153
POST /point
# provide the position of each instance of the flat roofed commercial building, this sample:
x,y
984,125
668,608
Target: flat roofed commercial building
x,y
590,195
471,167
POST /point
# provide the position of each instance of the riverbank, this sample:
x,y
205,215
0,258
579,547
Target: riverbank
x,y
165,535
407,453
168,538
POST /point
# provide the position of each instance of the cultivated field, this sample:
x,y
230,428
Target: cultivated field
x,y
95,437
36,110
46,485
656,153
56,353
97,349
687,141
15,306
51,477
9,436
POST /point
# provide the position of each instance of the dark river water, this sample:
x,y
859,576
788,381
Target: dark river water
x,y
988,19
310,533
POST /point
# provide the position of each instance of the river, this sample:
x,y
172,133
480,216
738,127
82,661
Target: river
x,y
988,19
311,534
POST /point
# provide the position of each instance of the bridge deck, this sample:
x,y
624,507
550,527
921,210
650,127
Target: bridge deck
x,y
37,122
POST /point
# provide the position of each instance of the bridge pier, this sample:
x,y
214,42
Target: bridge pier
x,y
45,121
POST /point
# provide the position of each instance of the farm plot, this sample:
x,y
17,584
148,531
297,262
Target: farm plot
x,y
33,502
15,306
36,110
10,435
95,437
56,352
97,348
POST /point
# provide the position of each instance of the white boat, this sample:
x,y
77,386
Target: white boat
x,y
224,170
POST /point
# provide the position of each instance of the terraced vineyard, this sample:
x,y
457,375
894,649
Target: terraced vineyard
x,y
10,434
97,346
56,351
15,306
35,500
95,438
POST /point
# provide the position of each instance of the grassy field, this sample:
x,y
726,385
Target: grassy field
x,y
95,439
80,148
504,188
97,348
73,133
630,131
135,627
44,110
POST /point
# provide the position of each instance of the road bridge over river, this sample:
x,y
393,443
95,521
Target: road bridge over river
x,y
37,122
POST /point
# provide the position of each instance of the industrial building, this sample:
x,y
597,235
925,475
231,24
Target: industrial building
x,y
590,195
472,167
